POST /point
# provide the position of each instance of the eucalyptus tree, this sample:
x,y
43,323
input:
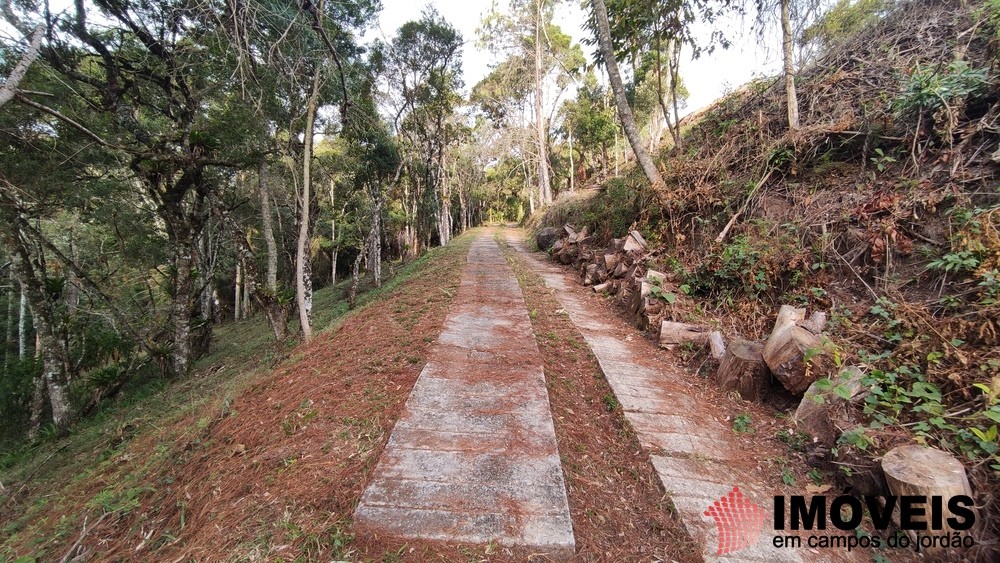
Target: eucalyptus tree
x,y
295,59
593,123
545,61
791,15
602,31
421,67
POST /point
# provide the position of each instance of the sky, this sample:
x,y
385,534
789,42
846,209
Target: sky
x,y
706,78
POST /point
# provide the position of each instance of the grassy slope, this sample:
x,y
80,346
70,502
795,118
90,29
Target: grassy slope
x,y
128,461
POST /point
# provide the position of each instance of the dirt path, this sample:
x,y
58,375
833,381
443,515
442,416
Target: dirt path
x,y
473,456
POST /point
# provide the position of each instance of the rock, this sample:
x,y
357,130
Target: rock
x,y
546,238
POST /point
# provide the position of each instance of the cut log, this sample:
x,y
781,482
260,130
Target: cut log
x,y
603,287
788,315
816,323
590,275
610,262
634,242
926,472
672,334
620,270
602,273
717,344
824,414
656,278
742,368
640,291
787,348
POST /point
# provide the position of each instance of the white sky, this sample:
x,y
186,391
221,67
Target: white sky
x,y
706,78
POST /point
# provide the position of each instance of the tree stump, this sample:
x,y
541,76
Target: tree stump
x,y
922,471
786,349
743,369
824,414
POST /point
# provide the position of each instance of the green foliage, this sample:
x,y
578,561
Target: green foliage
x,y
957,262
743,424
842,21
795,439
926,90
881,160
903,394
750,265
788,477
124,501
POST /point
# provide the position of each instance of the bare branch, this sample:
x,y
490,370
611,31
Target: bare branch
x,y
69,121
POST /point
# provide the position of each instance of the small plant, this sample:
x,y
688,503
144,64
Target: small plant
x,y
743,424
795,440
963,261
787,477
610,402
882,160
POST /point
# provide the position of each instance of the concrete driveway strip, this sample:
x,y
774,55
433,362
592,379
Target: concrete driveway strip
x,y
688,449
473,457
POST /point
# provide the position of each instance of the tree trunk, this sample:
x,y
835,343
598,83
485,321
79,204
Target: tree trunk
x,y
355,281
624,111
238,292
181,306
247,293
37,407
9,88
544,186
207,257
8,343
268,231
303,281
572,169
51,347
674,134
789,65
375,238
22,326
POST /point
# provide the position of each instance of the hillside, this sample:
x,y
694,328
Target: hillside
x,y
882,210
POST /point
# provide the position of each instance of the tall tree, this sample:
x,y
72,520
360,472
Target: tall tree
x,y
603,32
422,71
788,65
